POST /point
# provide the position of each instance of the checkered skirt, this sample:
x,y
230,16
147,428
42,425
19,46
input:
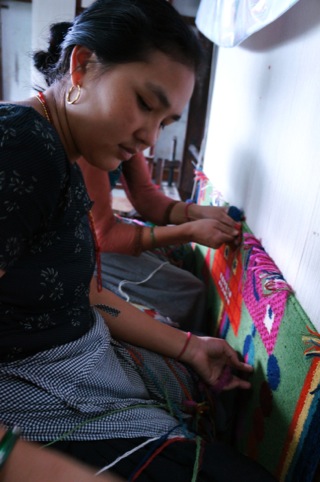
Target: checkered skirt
x,y
95,388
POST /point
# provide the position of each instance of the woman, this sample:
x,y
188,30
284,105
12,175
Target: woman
x,y
92,375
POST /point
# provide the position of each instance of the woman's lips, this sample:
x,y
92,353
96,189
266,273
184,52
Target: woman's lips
x,y
126,152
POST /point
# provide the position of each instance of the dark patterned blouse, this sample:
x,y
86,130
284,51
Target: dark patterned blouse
x,y
46,247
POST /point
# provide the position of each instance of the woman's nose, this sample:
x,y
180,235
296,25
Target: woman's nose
x,y
148,135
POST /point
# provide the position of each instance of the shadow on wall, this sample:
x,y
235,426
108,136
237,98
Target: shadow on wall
x,y
303,17
246,180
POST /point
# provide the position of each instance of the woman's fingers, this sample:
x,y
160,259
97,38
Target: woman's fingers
x,y
237,382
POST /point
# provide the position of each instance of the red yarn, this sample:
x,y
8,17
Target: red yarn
x,y
157,452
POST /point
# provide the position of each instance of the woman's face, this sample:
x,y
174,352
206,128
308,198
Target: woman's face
x,y
122,111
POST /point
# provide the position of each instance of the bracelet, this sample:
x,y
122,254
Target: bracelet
x,y
186,209
7,443
166,217
184,346
153,237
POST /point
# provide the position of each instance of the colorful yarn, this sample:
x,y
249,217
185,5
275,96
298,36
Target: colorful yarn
x,y
312,343
168,442
223,380
273,372
201,411
279,424
235,213
175,373
157,443
248,350
127,454
98,417
227,274
264,267
265,291
199,447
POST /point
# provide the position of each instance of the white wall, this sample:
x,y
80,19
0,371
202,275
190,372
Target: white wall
x,y
263,145
16,49
45,13
24,29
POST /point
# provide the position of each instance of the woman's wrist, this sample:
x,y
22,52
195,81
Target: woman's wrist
x,y
153,237
148,238
194,212
187,215
159,236
169,217
185,212
185,346
189,350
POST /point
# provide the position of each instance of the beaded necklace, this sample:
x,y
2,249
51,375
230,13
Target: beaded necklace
x,y
41,98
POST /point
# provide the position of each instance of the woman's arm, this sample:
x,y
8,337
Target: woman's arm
x,y
210,226
208,356
129,324
28,462
207,232
150,202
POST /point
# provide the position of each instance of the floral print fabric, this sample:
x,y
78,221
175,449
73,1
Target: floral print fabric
x,y
46,247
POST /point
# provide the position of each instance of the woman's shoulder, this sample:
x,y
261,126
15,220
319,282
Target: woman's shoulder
x,y
21,118
29,144
20,124
16,114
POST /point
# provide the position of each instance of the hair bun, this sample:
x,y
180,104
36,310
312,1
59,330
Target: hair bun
x,y
42,60
58,31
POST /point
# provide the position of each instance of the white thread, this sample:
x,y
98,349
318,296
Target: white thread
x,y
107,467
125,295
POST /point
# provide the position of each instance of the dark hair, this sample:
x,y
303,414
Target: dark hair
x,y
121,31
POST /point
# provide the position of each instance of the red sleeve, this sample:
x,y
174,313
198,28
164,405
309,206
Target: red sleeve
x,y
113,236
147,199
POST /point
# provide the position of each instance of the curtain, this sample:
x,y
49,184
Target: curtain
x,y
228,22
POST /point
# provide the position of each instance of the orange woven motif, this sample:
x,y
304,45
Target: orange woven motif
x,y
227,275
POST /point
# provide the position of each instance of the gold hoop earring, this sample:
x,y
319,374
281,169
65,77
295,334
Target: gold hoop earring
x,y
77,97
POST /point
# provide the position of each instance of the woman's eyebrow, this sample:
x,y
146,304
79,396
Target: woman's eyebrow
x,y
162,97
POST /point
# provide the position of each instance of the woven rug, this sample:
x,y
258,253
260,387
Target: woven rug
x,y
278,421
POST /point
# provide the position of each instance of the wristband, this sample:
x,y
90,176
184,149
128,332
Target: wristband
x,y
166,217
153,237
186,209
7,443
184,346
137,240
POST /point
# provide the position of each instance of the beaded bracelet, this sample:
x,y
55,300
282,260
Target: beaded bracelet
x,y
184,346
186,209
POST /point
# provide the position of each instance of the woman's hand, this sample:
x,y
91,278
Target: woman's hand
x,y
215,361
220,213
213,233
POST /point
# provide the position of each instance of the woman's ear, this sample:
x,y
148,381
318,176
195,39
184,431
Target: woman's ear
x,y
80,57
